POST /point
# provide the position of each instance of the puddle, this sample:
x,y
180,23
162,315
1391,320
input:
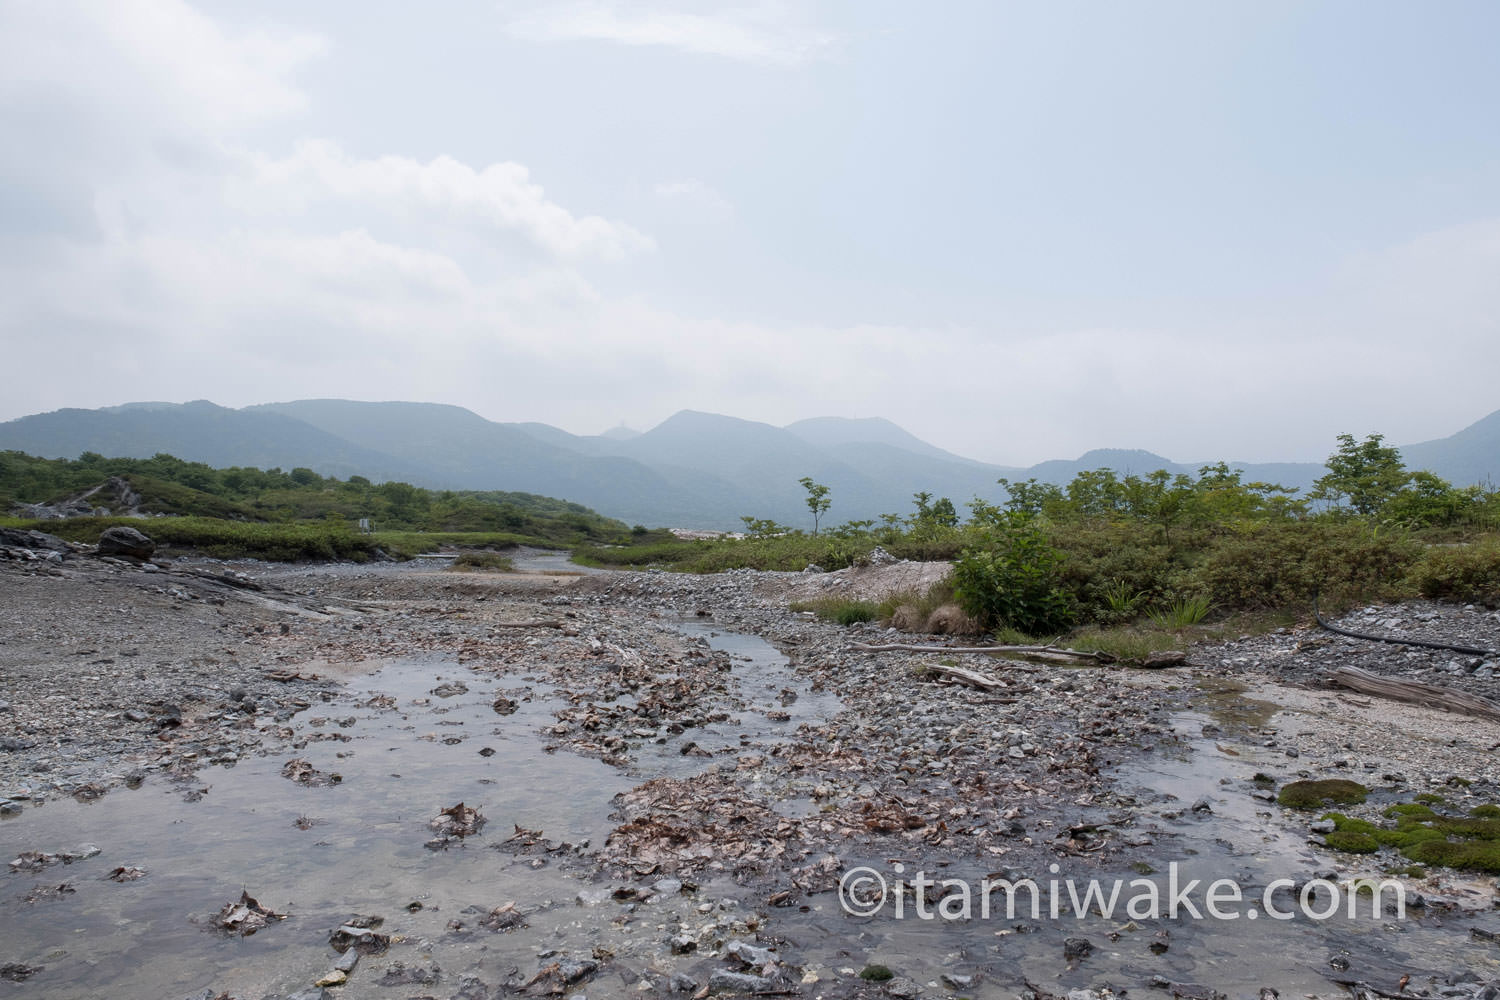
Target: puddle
x,y
362,854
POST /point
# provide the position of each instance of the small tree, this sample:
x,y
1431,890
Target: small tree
x,y
1013,576
818,500
1366,475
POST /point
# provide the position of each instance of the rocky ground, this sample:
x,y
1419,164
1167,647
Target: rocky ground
x,y
115,672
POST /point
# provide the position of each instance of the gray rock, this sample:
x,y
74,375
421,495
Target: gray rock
x,y
1075,948
311,993
1323,826
751,955
903,988
723,981
124,541
38,541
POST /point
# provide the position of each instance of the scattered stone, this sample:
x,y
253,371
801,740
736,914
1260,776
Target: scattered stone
x,y
399,974
357,936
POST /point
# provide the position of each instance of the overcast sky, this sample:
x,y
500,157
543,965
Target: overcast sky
x,y
1020,231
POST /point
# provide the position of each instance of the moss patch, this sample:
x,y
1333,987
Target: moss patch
x,y
1425,836
1474,855
1329,791
876,973
1353,842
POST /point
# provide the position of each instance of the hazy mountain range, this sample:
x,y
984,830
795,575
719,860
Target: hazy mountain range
x,y
694,469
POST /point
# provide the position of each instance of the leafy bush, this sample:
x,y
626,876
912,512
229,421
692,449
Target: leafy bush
x,y
1469,574
1013,579
1263,566
492,562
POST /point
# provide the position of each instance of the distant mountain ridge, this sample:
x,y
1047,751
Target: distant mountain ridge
x,y
695,469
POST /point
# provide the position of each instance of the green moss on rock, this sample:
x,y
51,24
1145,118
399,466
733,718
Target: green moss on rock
x,y
1328,791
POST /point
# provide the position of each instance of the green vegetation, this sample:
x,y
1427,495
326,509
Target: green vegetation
x,y
876,973
840,610
1181,613
296,515
1113,559
1328,791
1426,837
818,500
1352,841
492,562
1011,577
1468,574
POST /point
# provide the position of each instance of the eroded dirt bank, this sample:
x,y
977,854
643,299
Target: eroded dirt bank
x,y
673,775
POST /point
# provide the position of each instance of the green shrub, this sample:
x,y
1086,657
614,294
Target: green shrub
x,y
1466,574
839,610
1012,579
1262,566
492,562
1111,568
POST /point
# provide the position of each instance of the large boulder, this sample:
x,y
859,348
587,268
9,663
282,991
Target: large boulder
x,y
123,541
38,541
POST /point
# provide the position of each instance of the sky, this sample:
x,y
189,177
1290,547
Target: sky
x,y
1227,230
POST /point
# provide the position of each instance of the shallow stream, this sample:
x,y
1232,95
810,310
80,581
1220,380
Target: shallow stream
x,y
320,855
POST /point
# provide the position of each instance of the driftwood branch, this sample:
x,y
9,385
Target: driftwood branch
x,y
527,625
1428,695
973,678
1045,652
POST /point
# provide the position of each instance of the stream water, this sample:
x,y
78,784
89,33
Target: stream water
x,y
323,854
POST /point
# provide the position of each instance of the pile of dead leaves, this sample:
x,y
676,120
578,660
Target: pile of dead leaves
x,y
454,823
707,821
244,917
303,773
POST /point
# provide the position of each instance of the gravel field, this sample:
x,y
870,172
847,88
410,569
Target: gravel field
x,y
758,757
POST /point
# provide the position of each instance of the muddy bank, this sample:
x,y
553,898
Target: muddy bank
x,y
675,776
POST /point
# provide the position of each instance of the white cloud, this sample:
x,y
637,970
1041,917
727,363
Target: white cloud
x,y
774,33
149,61
499,196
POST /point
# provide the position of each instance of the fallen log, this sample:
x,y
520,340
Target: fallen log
x,y
973,678
1044,652
1415,692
